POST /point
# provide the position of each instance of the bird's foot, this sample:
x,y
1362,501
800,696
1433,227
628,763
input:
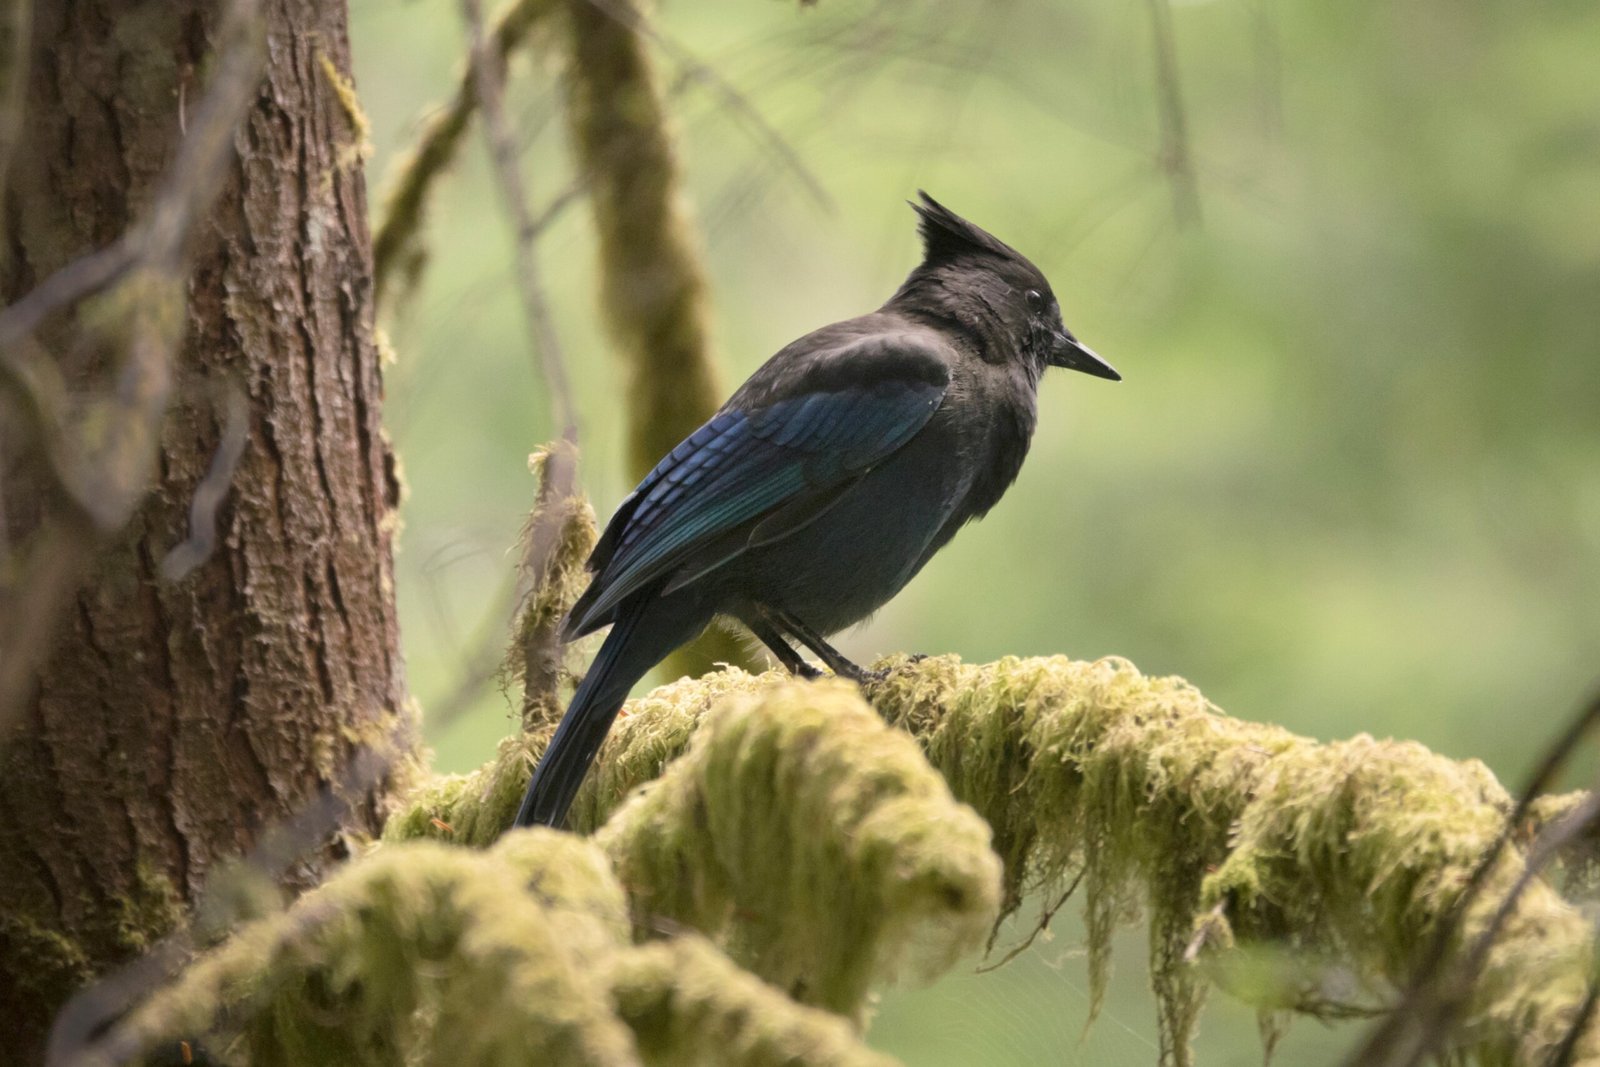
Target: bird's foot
x,y
862,676
807,672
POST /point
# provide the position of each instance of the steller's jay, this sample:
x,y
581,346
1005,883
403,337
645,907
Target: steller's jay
x,y
824,484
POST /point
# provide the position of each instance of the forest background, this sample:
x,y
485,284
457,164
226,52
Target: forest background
x,y
1347,257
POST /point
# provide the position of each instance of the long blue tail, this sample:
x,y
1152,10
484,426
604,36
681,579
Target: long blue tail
x,y
643,634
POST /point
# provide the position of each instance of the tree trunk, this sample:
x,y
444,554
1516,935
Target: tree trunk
x,y
175,720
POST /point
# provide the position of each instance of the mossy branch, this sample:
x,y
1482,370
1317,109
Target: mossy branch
x,y
423,953
1242,840
806,837
429,954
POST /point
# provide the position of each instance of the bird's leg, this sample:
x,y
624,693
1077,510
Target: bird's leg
x,y
786,655
832,657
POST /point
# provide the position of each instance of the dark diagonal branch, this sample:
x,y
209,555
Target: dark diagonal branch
x,y
1437,996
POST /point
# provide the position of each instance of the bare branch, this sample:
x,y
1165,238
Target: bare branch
x,y
394,244
489,85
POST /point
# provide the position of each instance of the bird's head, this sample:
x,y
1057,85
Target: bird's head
x,y
977,282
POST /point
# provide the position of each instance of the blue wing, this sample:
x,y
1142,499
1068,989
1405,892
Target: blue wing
x,y
744,465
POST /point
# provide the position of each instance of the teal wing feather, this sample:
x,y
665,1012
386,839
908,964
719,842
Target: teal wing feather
x,y
743,466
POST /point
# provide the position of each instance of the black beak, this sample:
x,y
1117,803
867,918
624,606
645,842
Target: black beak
x,y
1073,354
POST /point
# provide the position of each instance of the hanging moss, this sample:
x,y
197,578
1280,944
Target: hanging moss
x,y
1239,835
555,545
1255,851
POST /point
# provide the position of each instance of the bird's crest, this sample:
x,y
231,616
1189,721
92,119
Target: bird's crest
x,y
946,235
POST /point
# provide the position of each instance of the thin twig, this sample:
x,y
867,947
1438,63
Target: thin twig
x,y
560,474
83,277
489,84
1564,1053
213,488
1176,156
1040,927
101,477
692,70
394,238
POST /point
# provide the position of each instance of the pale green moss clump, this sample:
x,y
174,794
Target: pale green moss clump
x,y
426,954
812,841
555,545
807,838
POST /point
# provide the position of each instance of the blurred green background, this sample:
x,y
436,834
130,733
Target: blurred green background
x,y
1351,482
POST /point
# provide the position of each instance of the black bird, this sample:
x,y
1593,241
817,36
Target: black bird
x,y
824,484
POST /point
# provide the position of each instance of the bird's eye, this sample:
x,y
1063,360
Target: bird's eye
x,y
1035,299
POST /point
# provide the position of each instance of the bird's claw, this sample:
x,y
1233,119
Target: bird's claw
x,y
864,677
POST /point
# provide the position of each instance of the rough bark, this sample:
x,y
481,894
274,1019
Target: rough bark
x,y
175,720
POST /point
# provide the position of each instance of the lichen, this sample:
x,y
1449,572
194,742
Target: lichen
x,y
359,147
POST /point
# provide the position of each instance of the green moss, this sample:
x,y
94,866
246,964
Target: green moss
x,y
689,1006
422,953
40,967
1240,836
811,841
555,545
1268,863
150,911
466,809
